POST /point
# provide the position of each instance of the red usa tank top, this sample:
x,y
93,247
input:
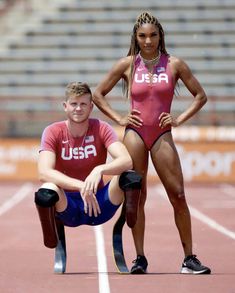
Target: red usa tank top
x,y
152,95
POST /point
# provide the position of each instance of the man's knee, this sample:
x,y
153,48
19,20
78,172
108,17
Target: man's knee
x,y
45,197
130,180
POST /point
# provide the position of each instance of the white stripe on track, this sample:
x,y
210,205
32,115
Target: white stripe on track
x,y
101,259
211,223
228,189
16,198
201,217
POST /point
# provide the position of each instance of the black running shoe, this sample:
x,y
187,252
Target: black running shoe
x,y
140,265
192,265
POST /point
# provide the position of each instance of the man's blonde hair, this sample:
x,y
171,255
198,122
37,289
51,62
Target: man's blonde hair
x,y
77,89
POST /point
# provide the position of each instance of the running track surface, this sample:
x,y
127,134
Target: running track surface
x,y
27,266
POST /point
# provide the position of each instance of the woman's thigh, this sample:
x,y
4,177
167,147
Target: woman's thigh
x,y
166,162
139,155
137,150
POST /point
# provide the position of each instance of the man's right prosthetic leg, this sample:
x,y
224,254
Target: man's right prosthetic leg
x,y
60,251
52,228
130,183
45,200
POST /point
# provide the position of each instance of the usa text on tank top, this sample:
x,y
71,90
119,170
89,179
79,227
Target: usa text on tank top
x,y
152,96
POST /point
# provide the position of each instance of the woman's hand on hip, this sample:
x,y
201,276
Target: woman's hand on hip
x,y
166,119
132,118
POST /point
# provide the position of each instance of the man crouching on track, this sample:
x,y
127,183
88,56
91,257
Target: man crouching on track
x,y
72,162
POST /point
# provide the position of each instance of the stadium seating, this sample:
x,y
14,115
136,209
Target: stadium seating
x,y
80,40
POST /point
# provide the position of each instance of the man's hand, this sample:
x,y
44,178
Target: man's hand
x,y
89,191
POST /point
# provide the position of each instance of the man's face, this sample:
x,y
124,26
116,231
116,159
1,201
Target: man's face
x,y
78,108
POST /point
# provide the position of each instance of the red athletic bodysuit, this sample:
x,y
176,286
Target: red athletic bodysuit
x,y
151,98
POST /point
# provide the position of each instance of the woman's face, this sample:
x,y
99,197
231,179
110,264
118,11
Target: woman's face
x,y
148,38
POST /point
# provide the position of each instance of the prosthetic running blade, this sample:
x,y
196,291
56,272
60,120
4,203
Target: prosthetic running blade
x,y
118,243
60,250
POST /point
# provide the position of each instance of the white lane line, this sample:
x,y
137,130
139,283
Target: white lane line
x,y
101,259
228,189
16,198
211,223
201,217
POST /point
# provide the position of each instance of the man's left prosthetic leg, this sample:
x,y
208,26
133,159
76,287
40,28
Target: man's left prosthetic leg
x,y
130,183
52,228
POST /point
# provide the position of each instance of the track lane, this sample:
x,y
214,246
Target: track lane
x,y
27,266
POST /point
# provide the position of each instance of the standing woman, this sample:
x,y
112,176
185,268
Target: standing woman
x,y
150,76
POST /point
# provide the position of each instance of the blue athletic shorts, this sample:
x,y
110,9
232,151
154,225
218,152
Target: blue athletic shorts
x,y
74,214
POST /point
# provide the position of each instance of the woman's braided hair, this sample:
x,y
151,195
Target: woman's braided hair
x,y
144,18
134,49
